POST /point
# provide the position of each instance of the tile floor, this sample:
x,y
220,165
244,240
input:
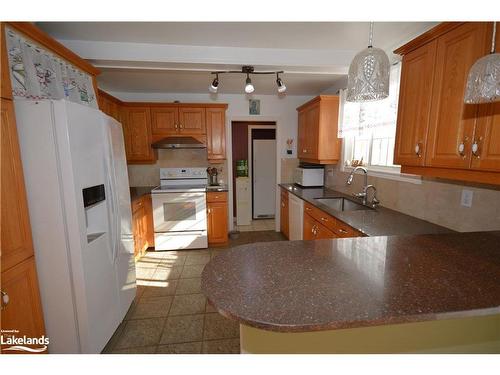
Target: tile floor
x,y
257,225
170,315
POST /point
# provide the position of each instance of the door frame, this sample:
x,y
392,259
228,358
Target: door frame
x,y
229,152
250,156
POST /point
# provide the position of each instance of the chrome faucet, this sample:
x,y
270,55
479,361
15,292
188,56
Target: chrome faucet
x,y
363,194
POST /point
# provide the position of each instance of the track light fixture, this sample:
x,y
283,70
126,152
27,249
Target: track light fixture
x,y
281,85
249,87
214,85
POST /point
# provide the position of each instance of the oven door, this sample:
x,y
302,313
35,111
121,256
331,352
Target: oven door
x,y
175,212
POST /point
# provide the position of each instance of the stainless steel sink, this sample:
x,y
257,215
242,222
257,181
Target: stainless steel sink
x,y
341,204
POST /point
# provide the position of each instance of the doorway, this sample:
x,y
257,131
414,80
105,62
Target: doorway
x,y
254,196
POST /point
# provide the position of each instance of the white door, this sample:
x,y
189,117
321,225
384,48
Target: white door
x,y
264,177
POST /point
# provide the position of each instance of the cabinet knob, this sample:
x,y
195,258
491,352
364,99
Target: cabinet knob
x,y
304,150
342,230
308,209
5,299
475,149
418,149
461,148
282,204
176,126
324,219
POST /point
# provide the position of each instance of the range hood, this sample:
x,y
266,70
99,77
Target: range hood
x,y
178,142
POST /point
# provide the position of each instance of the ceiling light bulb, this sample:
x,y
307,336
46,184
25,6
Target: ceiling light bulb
x,y
215,85
281,85
248,85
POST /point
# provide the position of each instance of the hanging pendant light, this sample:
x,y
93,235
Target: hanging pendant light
x,y
483,82
214,86
248,85
368,77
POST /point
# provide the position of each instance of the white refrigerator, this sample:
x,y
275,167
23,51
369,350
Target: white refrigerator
x,y
79,203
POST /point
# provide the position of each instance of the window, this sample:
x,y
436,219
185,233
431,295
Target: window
x,y
369,128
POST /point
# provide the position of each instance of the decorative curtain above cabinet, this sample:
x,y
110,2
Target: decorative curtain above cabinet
x,y
39,74
362,119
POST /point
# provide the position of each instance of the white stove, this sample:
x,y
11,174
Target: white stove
x,y
180,209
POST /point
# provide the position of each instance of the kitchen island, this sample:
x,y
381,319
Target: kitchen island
x,y
387,294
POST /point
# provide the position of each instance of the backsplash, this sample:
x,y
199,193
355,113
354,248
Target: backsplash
x,y
435,201
288,166
149,174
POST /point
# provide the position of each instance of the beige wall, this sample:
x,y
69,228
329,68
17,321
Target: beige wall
x,y
436,201
149,174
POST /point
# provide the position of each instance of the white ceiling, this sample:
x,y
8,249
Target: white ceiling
x,y
178,56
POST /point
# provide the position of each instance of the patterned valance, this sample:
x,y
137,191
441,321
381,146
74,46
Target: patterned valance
x,y
39,74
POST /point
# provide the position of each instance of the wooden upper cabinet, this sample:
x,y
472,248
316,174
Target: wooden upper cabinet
x,y
164,120
414,106
216,134
16,238
317,130
139,129
192,120
452,122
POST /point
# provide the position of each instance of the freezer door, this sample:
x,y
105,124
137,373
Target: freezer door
x,y
120,213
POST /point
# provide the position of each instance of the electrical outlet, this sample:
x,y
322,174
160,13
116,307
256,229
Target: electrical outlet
x,y
466,200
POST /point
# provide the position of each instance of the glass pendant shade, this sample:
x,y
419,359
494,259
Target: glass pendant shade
x,y
368,77
483,82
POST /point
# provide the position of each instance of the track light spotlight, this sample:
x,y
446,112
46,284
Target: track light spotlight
x,y
281,85
248,85
215,84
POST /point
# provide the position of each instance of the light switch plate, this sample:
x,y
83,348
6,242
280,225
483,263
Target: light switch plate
x,y
466,200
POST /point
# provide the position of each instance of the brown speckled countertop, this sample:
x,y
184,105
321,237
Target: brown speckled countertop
x,y
139,191
295,286
372,222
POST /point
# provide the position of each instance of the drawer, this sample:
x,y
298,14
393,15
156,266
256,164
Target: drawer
x,y
216,196
322,217
343,230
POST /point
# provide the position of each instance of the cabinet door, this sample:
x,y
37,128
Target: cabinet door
x,y
16,239
487,138
216,133
149,225
302,131
164,121
23,312
323,232
139,126
217,222
309,225
452,122
414,106
192,120
284,214
312,131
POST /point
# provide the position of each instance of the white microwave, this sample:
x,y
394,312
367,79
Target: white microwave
x,y
309,176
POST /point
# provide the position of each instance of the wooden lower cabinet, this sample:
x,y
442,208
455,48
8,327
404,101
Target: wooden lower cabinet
x,y
284,215
23,312
217,218
142,225
319,225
